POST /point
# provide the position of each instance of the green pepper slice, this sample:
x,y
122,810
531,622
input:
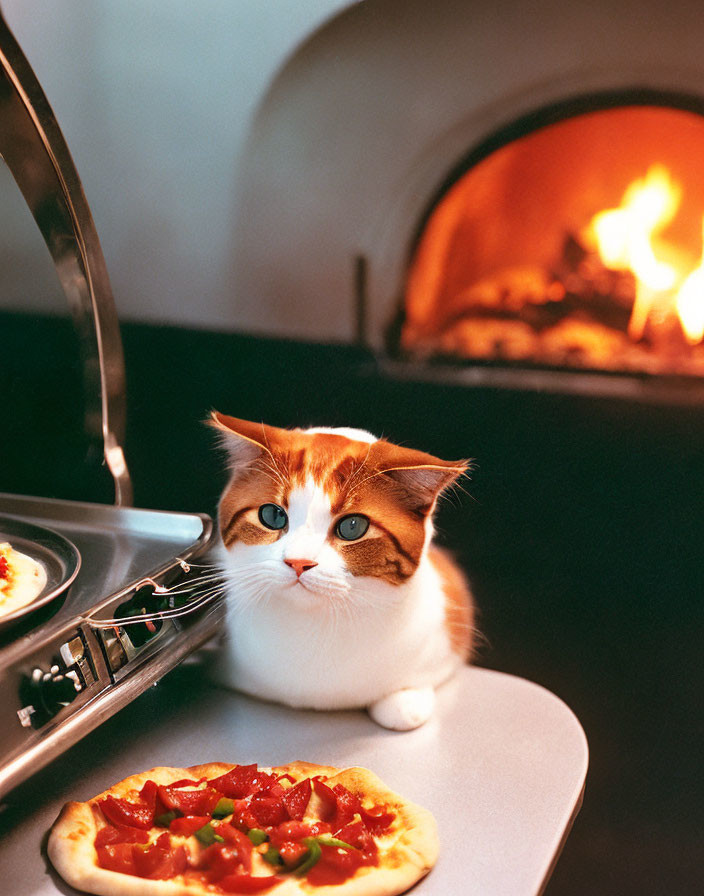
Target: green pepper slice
x,y
272,857
333,841
165,819
207,836
314,853
223,808
257,836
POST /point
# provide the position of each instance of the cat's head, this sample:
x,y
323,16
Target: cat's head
x,y
314,510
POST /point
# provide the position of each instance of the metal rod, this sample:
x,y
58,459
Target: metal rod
x,y
38,158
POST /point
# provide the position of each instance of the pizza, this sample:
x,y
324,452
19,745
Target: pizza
x,y
211,829
21,579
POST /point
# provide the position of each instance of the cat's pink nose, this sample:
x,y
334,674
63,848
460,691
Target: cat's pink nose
x,y
300,566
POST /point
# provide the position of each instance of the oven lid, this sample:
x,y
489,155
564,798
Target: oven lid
x,y
38,158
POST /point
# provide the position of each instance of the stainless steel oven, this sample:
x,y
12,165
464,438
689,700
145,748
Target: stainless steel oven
x,y
129,592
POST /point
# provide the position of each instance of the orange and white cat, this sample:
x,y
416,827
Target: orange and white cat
x,y
336,596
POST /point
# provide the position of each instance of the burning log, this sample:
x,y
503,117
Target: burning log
x,y
618,296
575,315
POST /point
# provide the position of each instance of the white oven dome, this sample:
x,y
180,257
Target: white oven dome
x,y
366,120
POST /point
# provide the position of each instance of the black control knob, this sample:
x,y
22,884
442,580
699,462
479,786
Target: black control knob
x,y
43,694
57,691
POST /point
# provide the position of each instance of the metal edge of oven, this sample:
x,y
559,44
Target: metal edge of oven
x,y
105,690
646,388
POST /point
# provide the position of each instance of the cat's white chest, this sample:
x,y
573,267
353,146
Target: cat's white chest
x,y
328,659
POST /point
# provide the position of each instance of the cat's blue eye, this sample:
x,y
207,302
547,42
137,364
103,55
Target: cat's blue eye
x,y
352,527
272,516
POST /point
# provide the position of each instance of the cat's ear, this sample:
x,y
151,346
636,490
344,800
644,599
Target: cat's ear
x,y
422,476
243,440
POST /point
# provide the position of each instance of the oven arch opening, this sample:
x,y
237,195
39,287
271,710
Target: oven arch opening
x,y
488,261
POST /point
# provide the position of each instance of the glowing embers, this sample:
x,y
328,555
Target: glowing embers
x,y
580,245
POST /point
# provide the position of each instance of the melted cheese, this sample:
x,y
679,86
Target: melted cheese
x,y
23,582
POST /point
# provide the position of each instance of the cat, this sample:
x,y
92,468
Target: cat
x,y
337,598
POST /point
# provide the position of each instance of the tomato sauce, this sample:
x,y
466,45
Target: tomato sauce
x,y
263,816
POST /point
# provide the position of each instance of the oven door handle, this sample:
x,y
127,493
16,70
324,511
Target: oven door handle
x,y
38,158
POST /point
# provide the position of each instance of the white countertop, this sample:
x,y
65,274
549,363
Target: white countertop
x,y
501,766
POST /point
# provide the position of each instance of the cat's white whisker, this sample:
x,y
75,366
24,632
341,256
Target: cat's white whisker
x,y
275,474
357,472
189,586
279,473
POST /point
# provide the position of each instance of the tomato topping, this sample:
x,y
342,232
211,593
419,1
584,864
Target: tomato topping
x,y
139,813
117,857
335,865
190,802
161,860
297,830
328,800
289,830
222,859
326,851
120,834
339,806
349,805
242,817
148,793
125,812
268,809
297,798
377,821
357,835
242,781
245,883
188,824
292,852
239,840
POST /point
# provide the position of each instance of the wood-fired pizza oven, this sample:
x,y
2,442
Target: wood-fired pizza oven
x,y
436,180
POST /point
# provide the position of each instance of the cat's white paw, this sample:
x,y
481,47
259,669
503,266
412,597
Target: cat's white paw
x,y
404,710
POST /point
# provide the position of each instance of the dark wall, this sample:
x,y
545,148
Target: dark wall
x,y
581,529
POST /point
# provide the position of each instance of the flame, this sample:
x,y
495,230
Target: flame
x,y
690,302
629,238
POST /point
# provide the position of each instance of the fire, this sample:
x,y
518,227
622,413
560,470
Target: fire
x,y
630,238
690,306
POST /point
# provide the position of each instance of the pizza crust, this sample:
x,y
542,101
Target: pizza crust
x,y
70,846
408,850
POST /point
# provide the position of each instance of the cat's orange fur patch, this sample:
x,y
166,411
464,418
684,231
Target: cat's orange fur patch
x,y
459,607
244,495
